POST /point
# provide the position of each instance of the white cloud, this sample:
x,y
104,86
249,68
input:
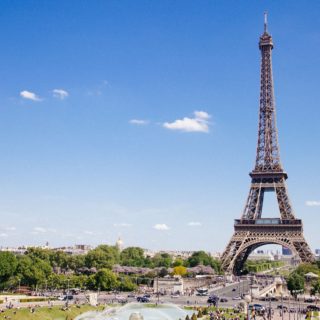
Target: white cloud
x,y
88,232
40,230
138,122
60,93
29,95
310,203
161,227
199,123
194,224
10,228
201,115
3,235
123,224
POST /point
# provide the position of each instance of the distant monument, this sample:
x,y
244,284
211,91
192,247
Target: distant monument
x,y
119,244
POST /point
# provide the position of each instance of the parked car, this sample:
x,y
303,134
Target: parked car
x,y
143,299
260,309
282,307
310,300
213,300
223,300
236,298
312,307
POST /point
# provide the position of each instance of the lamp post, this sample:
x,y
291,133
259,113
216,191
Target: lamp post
x,y
282,309
19,284
247,299
295,293
67,302
269,311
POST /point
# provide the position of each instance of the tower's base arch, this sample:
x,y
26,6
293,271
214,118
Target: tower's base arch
x,y
243,243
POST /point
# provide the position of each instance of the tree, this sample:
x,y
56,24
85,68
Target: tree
x,y
59,259
132,256
43,254
304,268
102,257
315,289
106,280
180,270
178,262
33,271
163,272
126,284
8,265
295,282
162,260
199,257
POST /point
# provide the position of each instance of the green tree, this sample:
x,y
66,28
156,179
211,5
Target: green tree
x,y
178,262
106,280
43,254
132,256
126,284
33,271
295,282
59,259
102,257
162,260
8,265
199,258
304,268
315,288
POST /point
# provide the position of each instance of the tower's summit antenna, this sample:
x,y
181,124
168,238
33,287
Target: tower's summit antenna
x,y
265,21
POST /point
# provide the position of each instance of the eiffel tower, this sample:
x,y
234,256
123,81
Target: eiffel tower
x,y
253,231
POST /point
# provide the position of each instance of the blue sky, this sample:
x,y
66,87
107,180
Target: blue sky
x,y
90,95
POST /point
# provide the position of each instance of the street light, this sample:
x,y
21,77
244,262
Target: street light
x,y
296,292
67,303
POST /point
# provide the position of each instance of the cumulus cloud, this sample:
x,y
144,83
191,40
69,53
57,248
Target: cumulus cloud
x,y
88,232
123,225
312,203
29,95
60,93
139,122
3,235
199,123
161,227
194,224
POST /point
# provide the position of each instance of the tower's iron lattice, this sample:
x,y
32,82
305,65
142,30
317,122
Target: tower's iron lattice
x,y
252,231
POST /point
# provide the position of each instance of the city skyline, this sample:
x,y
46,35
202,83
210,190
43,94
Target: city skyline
x,y
140,120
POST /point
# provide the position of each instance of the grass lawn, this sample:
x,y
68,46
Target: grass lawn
x,y
45,313
227,312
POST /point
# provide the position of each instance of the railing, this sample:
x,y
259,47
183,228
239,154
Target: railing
x,y
267,221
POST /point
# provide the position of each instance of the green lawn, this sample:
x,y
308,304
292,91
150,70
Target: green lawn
x,y
45,313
